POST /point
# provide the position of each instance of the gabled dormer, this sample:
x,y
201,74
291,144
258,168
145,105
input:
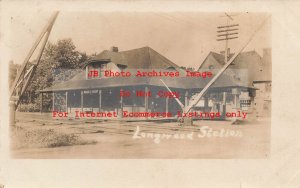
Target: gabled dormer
x,y
106,60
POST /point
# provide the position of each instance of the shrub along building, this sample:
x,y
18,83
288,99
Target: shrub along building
x,y
95,89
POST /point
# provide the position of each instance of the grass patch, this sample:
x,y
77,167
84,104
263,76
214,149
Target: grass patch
x,y
41,138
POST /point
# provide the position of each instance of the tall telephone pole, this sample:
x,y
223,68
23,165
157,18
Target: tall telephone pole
x,y
198,96
227,32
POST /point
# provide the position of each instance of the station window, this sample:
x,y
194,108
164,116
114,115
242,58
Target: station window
x,y
96,71
102,69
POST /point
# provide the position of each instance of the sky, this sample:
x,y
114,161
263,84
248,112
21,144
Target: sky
x,y
185,38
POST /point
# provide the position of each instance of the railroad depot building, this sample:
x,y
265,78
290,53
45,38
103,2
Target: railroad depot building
x,y
101,93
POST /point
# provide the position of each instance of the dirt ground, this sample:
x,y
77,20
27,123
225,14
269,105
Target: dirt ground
x,y
114,139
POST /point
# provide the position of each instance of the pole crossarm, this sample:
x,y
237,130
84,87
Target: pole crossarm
x,y
227,34
227,38
220,31
228,26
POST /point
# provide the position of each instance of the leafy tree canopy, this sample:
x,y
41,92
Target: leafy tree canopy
x,y
60,62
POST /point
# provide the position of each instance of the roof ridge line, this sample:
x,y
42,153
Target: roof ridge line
x,y
169,62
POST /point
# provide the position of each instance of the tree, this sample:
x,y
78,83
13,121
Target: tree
x,y
60,62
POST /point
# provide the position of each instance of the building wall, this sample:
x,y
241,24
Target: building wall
x,y
262,100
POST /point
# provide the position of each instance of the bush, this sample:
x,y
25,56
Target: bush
x,y
29,107
44,138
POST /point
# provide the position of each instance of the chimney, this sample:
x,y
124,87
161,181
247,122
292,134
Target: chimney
x,y
114,49
228,52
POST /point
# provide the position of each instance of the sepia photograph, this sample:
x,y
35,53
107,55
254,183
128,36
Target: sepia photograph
x,y
140,85
149,94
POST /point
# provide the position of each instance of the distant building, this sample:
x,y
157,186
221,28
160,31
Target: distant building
x,y
250,69
263,81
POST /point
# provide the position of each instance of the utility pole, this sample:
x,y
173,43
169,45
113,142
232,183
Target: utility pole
x,y
192,103
227,32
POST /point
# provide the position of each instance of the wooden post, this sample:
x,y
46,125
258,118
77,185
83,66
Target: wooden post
x,y
12,114
205,103
53,101
66,101
224,105
167,104
71,103
81,100
235,100
146,99
224,97
186,100
237,104
121,103
100,100
86,72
